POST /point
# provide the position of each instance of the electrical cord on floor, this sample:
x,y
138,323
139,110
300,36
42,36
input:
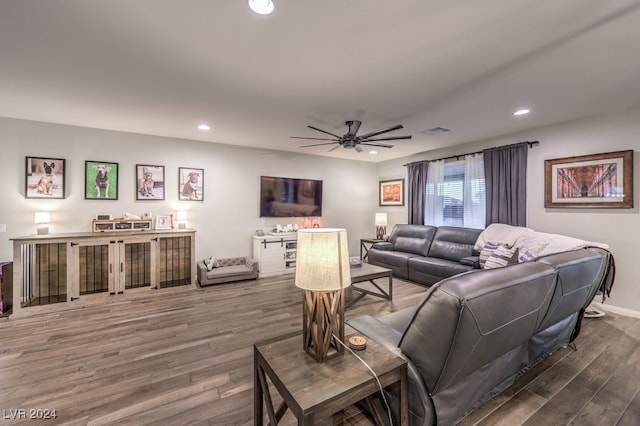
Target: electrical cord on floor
x,y
384,399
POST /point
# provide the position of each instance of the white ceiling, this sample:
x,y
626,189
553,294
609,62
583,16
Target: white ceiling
x,y
161,67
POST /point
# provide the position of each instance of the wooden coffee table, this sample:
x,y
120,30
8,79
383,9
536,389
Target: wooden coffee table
x,y
366,272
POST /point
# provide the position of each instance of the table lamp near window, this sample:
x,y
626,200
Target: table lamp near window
x,y
42,219
381,225
322,271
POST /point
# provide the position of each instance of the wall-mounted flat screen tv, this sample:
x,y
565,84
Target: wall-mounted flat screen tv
x,y
290,197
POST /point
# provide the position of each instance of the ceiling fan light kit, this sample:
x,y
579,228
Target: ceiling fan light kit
x,y
351,138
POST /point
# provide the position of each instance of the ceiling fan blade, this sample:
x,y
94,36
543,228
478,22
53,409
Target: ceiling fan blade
x,y
358,148
324,131
318,144
354,126
313,139
382,145
390,138
379,132
334,148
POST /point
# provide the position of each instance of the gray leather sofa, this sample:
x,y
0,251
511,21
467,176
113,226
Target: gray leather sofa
x,y
426,254
471,335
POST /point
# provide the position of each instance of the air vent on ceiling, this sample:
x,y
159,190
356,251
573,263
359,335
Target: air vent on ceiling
x,y
436,130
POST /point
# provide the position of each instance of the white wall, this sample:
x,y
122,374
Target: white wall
x,y
620,228
224,221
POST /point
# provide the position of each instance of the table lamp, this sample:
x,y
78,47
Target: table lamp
x,y
381,225
323,272
182,219
42,219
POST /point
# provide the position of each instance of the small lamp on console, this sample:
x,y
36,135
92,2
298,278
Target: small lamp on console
x,y
42,219
381,225
322,271
182,219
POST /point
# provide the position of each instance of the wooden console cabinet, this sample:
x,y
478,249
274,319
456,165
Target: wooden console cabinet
x,y
276,254
57,268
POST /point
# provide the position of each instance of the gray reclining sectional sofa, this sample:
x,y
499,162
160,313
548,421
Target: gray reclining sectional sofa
x,y
427,254
473,334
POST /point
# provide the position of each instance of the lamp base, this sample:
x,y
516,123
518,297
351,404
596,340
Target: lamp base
x,y
323,323
380,231
42,230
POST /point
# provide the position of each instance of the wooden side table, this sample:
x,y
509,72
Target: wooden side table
x,y
365,248
314,391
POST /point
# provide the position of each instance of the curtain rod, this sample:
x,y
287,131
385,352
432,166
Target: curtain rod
x,y
531,145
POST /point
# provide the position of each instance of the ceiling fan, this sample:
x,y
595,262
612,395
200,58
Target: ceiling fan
x,y
352,140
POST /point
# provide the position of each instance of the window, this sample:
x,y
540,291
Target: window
x,y
455,194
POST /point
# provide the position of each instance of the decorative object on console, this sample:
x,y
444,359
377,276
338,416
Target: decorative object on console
x,y
599,181
103,216
149,182
121,224
100,180
42,219
44,178
190,184
381,225
163,221
391,192
323,273
181,218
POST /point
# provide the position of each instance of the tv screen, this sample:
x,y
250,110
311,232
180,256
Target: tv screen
x,y
290,197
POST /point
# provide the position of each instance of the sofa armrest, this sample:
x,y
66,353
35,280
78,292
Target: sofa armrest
x,y
251,263
202,271
385,246
471,261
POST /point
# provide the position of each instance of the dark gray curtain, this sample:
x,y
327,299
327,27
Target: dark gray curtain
x,y
505,176
417,186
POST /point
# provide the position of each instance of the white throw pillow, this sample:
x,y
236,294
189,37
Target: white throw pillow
x,y
211,263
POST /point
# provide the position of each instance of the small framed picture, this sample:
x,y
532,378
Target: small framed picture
x,y
190,184
391,192
149,182
163,221
44,178
100,180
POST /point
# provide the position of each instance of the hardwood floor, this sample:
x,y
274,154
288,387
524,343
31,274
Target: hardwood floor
x,y
184,356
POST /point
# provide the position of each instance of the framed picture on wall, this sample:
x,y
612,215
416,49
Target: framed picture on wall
x,y
149,182
100,180
190,184
391,192
44,178
596,181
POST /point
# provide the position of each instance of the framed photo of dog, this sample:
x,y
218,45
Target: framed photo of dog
x,y
149,182
190,184
100,180
44,178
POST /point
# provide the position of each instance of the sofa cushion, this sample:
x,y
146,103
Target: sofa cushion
x,y
429,270
414,239
228,271
502,256
453,243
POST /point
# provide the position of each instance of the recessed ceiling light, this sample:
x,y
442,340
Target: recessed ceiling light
x,y
373,152
522,111
263,7
204,127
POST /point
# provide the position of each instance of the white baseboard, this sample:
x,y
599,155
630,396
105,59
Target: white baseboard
x,y
617,310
